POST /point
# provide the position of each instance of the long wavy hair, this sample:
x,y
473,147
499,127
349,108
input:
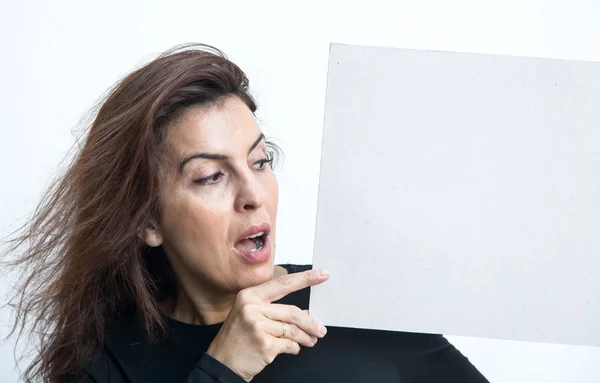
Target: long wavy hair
x,y
82,253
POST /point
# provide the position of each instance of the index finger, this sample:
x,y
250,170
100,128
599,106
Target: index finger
x,y
283,285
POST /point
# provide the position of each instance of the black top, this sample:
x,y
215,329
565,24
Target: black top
x,y
343,355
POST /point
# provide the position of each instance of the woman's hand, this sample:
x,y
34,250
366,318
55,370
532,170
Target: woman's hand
x,y
256,330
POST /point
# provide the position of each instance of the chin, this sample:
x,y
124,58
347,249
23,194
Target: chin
x,y
253,275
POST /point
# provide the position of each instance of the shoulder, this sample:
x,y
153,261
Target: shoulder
x,y
124,345
101,368
104,365
291,268
430,357
298,298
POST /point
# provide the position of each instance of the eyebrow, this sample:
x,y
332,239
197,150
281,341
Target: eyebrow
x,y
213,156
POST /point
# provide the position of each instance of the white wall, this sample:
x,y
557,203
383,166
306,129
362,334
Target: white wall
x,y
58,57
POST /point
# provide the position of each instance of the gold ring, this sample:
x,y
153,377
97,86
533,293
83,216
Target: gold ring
x,y
284,331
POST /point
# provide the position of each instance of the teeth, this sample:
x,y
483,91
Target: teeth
x,y
257,248
255,235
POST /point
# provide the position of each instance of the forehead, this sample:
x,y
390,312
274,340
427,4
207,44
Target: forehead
x,y
224,128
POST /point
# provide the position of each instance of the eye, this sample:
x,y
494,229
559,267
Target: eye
x,y
260,165
214,178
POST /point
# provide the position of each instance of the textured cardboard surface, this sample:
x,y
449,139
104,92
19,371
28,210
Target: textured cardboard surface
x,y
460,194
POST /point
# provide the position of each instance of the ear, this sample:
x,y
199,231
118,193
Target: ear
x,y
153,236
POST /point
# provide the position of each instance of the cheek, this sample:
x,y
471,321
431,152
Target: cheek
x,y
188,223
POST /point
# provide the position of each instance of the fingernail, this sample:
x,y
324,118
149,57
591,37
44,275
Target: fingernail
x,y
322,330
323,273
305,312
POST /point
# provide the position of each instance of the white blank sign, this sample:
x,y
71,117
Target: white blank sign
x,y
460,194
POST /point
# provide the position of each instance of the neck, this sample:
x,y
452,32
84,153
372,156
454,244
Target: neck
x,y
201,309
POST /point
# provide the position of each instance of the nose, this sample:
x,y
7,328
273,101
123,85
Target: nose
x,y
250,195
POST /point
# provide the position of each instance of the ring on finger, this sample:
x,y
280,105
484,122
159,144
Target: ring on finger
x,y
283,330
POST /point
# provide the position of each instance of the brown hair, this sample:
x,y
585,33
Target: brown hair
x,y
82,255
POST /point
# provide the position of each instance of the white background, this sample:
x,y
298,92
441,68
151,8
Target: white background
x,y
59,56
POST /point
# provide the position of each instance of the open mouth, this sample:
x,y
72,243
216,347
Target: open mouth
x,y
252,243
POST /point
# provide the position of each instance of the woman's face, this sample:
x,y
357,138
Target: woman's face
x,y
217,190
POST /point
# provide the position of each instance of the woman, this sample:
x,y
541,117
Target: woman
x,y
151,259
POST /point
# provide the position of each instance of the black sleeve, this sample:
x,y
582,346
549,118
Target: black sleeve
x,y
103,370
425,358
81,378
210,370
